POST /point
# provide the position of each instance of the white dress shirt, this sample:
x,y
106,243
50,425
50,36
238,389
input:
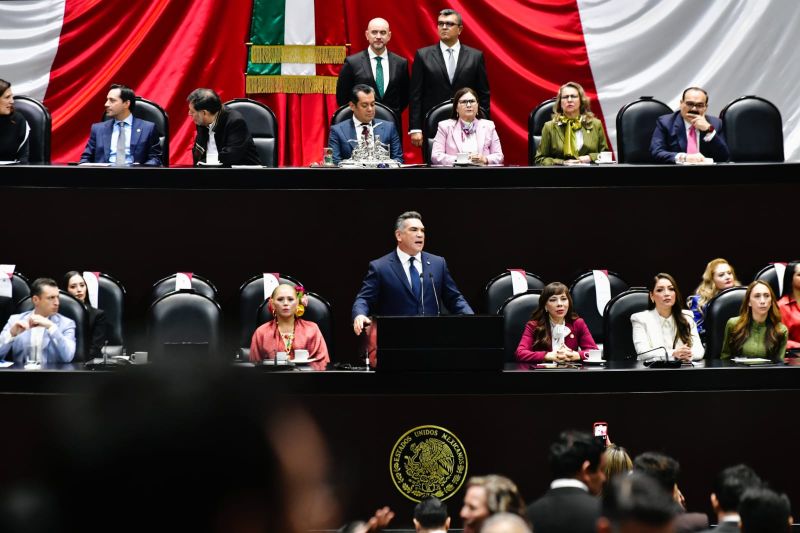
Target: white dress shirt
x,y
568,482
384,65
406,265
212,154
112,154
456,50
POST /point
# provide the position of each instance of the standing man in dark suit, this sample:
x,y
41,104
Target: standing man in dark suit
x,y
729,486
231,142
689,135
407,281
373,65
571,505
442,69
136,140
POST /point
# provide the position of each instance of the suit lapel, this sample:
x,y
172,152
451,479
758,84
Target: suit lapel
x,y
679,131
480,135
366,64
136,132
455,133
438,56
400,273
462,58
108,131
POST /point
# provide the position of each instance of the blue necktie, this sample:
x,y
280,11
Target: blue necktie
x,y
416,285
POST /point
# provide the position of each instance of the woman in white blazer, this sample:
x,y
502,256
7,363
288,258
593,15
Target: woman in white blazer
x,y
466,132
666,328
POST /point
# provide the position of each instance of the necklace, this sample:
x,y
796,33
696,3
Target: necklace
x,y
287,338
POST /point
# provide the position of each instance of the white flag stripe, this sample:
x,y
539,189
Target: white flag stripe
x,y
731,48
29,34
299,28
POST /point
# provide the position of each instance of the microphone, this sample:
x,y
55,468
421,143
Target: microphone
x,y
435,296
422,284
658,363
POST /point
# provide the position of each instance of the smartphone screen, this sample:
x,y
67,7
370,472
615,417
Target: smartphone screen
x,y
601,432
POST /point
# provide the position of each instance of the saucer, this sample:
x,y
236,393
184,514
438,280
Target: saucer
x,y
594,361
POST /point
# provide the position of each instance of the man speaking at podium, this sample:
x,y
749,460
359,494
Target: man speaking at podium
x,y
407,281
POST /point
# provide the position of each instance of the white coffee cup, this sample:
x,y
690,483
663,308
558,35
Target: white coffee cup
x,y
594,355
139,358
605,157
281,356
462,158
300,356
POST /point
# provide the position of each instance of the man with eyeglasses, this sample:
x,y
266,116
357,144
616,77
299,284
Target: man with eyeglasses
x,y
442,69
689,135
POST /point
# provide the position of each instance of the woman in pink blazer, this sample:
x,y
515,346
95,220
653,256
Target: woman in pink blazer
x,y
466,132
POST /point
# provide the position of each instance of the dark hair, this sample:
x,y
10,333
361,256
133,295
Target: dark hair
x,y
37,287
683,330
542,336
4,86
764,511
686,90
639,498
431,513
731,483
126,94
662,468
569,452
359,88
741,331
787,277
447,12
205,99
457,96
69,276
405,216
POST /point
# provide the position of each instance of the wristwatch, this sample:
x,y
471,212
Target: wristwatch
x,y
710,130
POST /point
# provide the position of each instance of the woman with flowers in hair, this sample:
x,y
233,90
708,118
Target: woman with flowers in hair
x,y
287,332
574,135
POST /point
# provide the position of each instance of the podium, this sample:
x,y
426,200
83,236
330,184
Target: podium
x,y
439,343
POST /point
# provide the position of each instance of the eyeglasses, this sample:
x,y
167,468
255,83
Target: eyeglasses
x,y
570,97
447,23
698,105
468,102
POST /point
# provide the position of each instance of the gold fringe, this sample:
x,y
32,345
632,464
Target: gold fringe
x,y
298,54
290,84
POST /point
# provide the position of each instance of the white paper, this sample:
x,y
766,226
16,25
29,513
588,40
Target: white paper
x,y
6,271
780,270
92,285
271,280
6,364
602,290
183,280
519,283
95,165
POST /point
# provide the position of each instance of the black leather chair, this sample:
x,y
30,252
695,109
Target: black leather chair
x,y
152,112
769,275
536,120
183,325
381,113
40,121
111,299
721,307
73,309
499,289
200,285
753,130
584,300
516,312
636,122
430,126
20,289
618,344
318,311
263,127
251,296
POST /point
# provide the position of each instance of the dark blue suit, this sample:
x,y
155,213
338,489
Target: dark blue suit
x,y
669,139
145,149
386,290
343,132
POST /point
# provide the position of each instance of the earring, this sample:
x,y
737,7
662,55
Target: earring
x,y
270,308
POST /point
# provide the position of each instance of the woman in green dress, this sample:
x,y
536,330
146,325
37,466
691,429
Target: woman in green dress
x,y
758,330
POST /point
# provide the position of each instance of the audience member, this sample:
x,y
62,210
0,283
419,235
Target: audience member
x,y
617,461
486,496
729,486
395,283
287,332
555,333
788,304
689,135
122,139
384,71
41,335
505,523
758,330
574,135
467,131
664,470
571,505
223,137
14,130
636,504
666,328
430,516
718,275
345,135
431,84
376,523
76,286
762,510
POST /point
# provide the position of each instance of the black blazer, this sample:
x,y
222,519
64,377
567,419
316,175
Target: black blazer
x,y
565,510
357,69
234,142
430,84
97,331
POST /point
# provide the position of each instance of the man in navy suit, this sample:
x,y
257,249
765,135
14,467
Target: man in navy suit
x,y
689,135
344,136
407,281
123,132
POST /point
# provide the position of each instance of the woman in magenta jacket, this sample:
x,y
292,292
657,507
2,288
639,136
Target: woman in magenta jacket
x,y
554,332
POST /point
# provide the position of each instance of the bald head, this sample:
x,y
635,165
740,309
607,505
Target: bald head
x,y
378,35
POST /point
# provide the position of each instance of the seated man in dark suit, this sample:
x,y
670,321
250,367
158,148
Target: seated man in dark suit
x,y
136,140
729,486
571,505
231,142
407,281
765,511
634,504
344,135
689,135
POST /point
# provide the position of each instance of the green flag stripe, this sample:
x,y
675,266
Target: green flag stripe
x,y
268,22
